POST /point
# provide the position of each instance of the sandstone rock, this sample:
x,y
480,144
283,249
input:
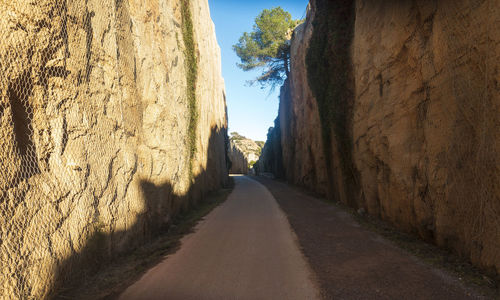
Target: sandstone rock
x,y
303,155
426,125
415,131
243,153
270,161
94,118
239,163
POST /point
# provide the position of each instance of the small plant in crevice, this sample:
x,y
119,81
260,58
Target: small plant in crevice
x,y
191,66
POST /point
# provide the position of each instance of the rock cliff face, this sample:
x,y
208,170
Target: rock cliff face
x,y
243,153
239,163
426,126
112,120
393,106
271,158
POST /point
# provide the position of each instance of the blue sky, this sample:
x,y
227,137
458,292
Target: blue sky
x,y
251,110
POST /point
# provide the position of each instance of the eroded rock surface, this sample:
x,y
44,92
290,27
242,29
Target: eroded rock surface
x,y
95,117
411,132
243,153
239,163
426,126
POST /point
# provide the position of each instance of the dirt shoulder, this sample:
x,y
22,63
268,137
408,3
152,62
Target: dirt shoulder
x,y
115,277
353,262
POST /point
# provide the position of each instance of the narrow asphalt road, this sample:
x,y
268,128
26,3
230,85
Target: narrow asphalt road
x,y
244,249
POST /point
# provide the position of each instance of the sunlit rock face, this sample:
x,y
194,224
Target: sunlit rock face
x,y
303,155
414,136
426,120
112,119
239,163
243,153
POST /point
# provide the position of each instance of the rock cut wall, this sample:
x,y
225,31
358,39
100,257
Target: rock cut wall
x,y
426,126
112,120
270,160
243,153
408,128
239,163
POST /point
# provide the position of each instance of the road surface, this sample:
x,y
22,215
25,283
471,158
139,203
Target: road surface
x,y
248,248
244,249
351,262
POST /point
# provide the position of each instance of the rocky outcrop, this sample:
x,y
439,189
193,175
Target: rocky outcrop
x,y
243,153
112,120
425,124
302,154
393,107
239,163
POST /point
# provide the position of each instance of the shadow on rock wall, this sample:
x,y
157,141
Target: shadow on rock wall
x,y
271,158
239,163
162,206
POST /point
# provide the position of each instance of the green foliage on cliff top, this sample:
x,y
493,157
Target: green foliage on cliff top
x,y
236,136
191,66
267,47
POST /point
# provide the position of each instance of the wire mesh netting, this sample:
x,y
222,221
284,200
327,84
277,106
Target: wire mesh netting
x,y
42,175
71,163
61,112
96,151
